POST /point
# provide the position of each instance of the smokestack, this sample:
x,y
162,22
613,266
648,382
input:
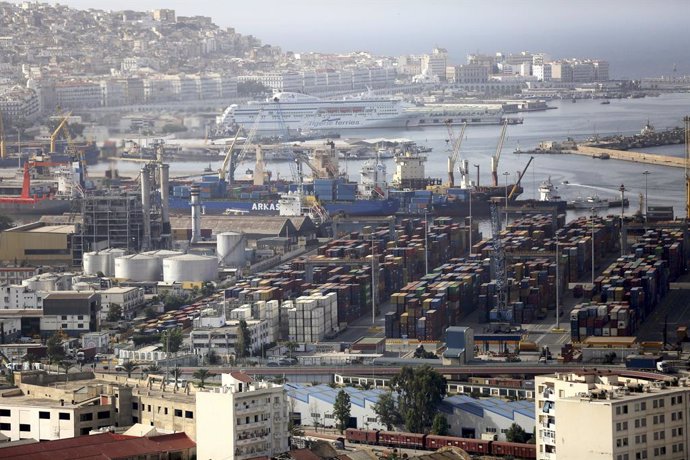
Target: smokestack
x,y
165,190
146,207
196,215
259,167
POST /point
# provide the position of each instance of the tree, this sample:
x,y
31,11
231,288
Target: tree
x,y
341,410
172,128
54,349
385,408
150,313
66,366
291,346
207,289
213,358
252,88
114,313
420,391
5,222
201,375
172,340
440,425
153,369
176,374
129,367
516,434
244,340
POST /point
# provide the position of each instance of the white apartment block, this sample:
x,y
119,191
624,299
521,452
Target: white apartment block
x,y
562,71
597,415
129,298
471,73
242,419
19,103
223,340
78,94
542,71
21,297
601,70
277,81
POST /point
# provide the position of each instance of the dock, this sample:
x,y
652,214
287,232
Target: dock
x,y
627,155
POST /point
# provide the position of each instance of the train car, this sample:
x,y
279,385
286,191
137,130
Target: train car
x,y
356,436
402,440
514,449
473,446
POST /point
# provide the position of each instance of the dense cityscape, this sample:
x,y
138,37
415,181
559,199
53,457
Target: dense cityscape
x,y
217,248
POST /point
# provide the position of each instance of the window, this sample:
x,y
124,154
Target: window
x,y
622,457
641,439
640,455
178,412
5,426
65,416
103,414
84,431
24,427
188,414
80,326
44,415
80,317
621,442
166,411
64,325
643,406
86,417
135,406
63,317
621,426
5,413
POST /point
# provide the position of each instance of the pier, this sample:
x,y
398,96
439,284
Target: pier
x,y
627,155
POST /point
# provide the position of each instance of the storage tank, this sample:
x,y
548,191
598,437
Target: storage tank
x,y
138,267
95,262
190,267
162,253
44,282
113,253
230,247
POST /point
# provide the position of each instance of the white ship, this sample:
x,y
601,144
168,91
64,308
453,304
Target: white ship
x,y
297,113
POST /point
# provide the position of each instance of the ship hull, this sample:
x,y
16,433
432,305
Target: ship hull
x,y
44,207
272,207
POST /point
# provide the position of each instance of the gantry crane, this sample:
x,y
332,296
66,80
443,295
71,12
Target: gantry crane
x,y
235,160
455,142
497,156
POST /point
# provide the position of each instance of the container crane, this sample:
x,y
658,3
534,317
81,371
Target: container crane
x,y
497,156
456,142
517,184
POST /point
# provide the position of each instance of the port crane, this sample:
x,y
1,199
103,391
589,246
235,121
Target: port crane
x,y
234,160
222,172
60,127
456,142
517,183
497,156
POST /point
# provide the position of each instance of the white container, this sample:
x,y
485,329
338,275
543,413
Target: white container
x,y
190,268
231,247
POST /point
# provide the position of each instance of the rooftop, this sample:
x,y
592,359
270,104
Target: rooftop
x,y
478,407
327,394
68,295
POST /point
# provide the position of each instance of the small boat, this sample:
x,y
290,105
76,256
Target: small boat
x,y
590,202
208,168
605,102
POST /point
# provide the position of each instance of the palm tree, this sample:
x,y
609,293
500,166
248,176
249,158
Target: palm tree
x,y
153,369
291,346
201,375
176,373
66,365
129,367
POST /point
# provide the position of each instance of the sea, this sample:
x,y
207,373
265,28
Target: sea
x,y
574,175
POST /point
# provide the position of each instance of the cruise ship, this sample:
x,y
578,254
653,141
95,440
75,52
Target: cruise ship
x,y
296,112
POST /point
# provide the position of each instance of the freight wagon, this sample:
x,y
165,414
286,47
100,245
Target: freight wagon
x,y
434,442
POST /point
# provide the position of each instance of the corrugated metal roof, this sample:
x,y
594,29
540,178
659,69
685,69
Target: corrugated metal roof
x,y
327,394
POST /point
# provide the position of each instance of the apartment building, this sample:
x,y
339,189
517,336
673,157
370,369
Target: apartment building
x,y
435,63
15,275
597,415
18,102
242,419
129,298
72,312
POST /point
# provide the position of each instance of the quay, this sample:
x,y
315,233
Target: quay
x,y
626,155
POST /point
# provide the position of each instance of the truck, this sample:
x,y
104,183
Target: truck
x,y
86,355
650,362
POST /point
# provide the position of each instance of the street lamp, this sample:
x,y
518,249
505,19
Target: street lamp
x,y
622,190
646,202
506,174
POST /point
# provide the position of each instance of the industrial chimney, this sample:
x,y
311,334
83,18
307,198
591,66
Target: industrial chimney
x,y
196,215
146,207
165,190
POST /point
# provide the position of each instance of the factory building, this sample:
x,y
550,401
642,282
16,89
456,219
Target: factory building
x,y
74,313
470,417
38,244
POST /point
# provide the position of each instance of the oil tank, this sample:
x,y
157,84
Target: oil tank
x,y
190,267
162,253
113,253
138,267
95,262
43,282
230,247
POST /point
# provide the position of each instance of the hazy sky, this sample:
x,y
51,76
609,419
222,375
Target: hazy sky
x,y
639,38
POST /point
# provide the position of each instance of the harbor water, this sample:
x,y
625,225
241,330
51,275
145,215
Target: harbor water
x,y
574,175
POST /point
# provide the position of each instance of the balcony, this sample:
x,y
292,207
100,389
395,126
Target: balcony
x,y
247,408
252,437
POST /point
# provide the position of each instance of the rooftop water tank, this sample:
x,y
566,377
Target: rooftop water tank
x,y
230,247
190,268
138,267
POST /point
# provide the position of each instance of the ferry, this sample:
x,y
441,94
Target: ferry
x,y
288,112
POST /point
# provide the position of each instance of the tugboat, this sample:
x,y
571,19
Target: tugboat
x,y
547,191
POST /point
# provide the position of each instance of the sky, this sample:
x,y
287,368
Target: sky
x,y
638,37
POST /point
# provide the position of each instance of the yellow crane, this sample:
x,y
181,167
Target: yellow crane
x,y
2,138
62,125
497,156
455,142
223,171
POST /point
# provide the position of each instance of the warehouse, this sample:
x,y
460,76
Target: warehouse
x,y
471,418
37,244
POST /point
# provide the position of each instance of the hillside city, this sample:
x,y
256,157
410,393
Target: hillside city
x,y
269,306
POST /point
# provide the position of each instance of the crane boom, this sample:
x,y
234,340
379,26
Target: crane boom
x,y
497,156
236,160
456,142
517,184
61,125
228,156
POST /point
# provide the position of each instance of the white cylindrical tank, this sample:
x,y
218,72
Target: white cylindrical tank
x,y
190,267
113,253
82,286
95,262
230,247
138,267
44,282
162,253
